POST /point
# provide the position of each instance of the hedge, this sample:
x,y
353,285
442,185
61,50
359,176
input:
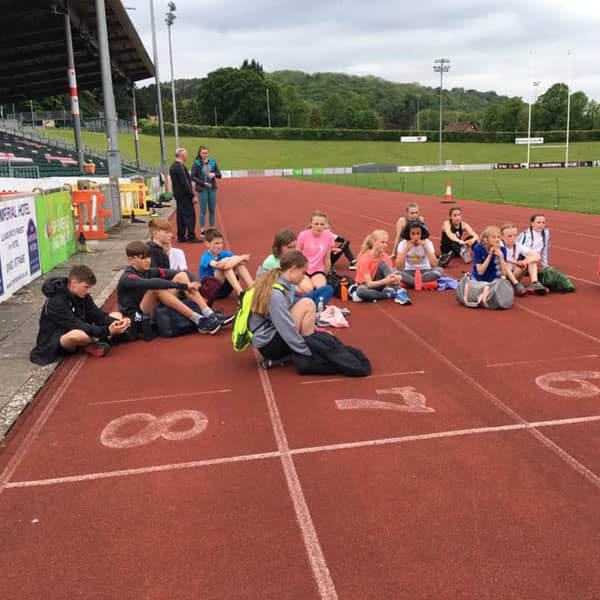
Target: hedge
x,y
376,135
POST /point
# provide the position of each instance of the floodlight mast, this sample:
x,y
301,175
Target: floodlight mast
x,y
441,66
161,126
170,19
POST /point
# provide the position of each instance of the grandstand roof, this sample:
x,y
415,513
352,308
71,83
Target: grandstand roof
x,y
33,54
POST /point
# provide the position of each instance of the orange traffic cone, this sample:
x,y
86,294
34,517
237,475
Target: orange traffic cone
x,y
448,197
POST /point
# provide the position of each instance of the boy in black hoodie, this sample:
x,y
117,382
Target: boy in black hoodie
x,y
71,320
141,289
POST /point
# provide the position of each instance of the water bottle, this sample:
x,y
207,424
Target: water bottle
x,y
344,289
418,280
320,306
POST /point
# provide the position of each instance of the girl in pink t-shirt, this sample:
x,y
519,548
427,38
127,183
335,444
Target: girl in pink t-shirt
x,y
316,243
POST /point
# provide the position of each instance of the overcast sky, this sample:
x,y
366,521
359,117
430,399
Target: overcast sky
x,y
489,42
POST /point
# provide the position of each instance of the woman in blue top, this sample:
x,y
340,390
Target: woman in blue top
x,y
205,173
489,259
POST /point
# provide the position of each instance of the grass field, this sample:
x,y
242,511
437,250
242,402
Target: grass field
x,y
562,189
283,154
565,189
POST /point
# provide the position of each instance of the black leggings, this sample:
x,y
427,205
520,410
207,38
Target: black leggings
x,y
345,247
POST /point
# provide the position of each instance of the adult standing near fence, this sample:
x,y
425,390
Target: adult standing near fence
x,y
205,173
184,197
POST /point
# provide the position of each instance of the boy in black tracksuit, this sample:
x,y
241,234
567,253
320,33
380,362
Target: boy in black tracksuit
x,y
71,320
141,289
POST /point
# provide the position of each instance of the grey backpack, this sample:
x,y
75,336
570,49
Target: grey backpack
x,y
482,294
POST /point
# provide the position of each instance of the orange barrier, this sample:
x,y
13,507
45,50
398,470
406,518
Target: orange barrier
x,y
90,214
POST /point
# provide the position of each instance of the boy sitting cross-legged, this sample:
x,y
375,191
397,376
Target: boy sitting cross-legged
x,y
225,266
141,289
71,320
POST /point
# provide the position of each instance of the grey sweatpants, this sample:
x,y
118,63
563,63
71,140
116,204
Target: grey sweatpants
x,y
366,293
408,276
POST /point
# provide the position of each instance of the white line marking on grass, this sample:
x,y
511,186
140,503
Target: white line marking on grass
x,y
570,460
540,360
309,533
559,323
164,397
333,379
316,557
144,470
39,424
301,451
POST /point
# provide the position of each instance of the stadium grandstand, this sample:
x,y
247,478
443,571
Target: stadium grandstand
x,y
34,62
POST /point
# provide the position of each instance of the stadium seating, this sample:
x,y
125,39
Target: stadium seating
x,y
52,161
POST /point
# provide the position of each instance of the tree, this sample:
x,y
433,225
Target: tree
x,y
314,118
295,110
332,112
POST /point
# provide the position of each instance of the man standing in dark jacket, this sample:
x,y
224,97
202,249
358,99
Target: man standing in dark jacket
x,y
71,320
184,197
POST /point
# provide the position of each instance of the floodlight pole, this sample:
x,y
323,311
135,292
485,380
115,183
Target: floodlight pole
x,y
268,109
441,66
136,135
161,125
73,89
568,114
170,19
418,109
110,112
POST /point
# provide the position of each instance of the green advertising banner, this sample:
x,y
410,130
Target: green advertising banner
x,y
318,170
56,231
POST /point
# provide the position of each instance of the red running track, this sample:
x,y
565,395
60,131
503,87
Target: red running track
x,y
466,466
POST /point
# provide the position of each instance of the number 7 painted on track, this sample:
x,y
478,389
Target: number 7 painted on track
x,y
414,402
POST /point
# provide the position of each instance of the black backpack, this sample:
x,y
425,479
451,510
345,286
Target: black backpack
x,y
334,280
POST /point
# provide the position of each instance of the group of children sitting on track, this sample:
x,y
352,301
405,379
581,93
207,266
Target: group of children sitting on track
x,y
291,282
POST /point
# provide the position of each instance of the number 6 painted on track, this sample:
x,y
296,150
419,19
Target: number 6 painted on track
x,y
582,389
156,427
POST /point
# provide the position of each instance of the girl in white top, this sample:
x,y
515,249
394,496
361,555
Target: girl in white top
x,y
416,251
537,238
412,214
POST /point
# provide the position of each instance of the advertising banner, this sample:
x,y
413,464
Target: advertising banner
x,y
19,246
533,140
413,138
56,231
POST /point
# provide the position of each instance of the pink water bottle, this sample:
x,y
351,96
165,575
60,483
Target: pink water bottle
x,y
418,280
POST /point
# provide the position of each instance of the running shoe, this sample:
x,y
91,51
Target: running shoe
x,y
535,287
402,297
97,349
519,289
225,319
352,266
444,259
209,325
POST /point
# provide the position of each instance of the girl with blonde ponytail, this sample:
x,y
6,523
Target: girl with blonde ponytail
x,y
277,323
375,276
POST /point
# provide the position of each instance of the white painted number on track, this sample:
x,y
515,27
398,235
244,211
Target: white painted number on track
x,y
578,384
414,402
155,428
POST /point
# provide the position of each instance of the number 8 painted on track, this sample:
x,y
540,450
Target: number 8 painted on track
x,y
156,427
582,389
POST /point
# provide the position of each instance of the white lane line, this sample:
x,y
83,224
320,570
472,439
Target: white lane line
x,y
540,360
570,460
309,533
559,323
445,434
333,379
143,470
39,424
165,397
316,557
302,451
594,283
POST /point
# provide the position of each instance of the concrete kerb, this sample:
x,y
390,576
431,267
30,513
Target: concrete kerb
x,y
107,261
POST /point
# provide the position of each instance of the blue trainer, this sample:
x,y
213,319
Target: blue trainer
x,y
402,297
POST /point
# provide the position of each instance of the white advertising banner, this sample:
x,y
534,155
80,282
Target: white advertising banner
x,y
413,138
19,247
537,140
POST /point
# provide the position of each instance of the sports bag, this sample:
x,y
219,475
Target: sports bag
x,y
555,280
334,280
169,323
499,294
241,336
